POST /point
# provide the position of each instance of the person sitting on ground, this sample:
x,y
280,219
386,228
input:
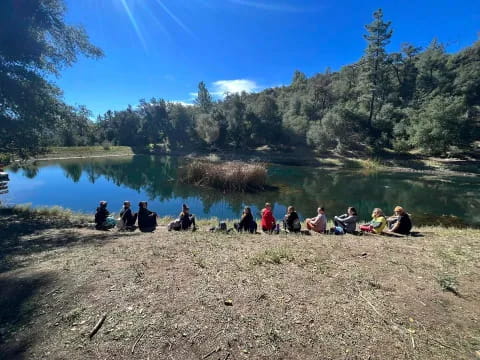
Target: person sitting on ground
x,y
147,220
187,220
247,223
291,221
318,223
377,224
103,220
348,221
127,217
268,221
400,223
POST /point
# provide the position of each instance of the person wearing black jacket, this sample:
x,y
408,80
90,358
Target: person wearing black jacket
x,y
291,221
101,216
127,217
187,220
247,223
147,220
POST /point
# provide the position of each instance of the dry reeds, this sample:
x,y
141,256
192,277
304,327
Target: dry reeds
x,y
227,176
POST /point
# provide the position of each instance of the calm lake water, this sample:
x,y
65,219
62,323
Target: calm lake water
x,y
80,183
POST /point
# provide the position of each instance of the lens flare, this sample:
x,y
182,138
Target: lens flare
x,y
134,23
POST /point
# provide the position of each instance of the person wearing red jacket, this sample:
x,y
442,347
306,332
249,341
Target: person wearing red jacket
x,y
268,221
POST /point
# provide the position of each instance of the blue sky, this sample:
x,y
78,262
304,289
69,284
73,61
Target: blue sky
x,y
163,48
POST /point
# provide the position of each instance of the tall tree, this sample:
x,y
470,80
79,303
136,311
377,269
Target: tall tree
x,y
34,42
376,59
204,99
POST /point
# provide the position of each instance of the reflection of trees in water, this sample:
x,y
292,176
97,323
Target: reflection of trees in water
x,y
73,171
305,188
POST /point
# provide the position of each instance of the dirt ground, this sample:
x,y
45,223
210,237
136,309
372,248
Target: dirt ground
x,y
201,295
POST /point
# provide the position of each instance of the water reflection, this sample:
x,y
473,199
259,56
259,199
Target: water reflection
x,y
156,178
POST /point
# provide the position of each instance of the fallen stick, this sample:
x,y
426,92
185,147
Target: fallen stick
x,y
212,352
373,307
226,356
138,339
97,326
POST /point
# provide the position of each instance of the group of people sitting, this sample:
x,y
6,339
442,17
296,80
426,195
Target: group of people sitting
x,y
146,219
399,223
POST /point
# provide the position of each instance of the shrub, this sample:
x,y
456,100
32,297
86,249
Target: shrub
x,y
5,159
106,145
228,176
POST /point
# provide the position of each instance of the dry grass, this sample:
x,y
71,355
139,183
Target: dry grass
x,y
85,151
293,296
228,176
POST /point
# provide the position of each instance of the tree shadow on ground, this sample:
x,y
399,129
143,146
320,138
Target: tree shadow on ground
x,y
17,306
23,234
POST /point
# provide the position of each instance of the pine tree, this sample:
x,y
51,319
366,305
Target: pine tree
x,y
376,60
204,99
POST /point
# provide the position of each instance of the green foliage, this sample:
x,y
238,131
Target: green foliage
x,y
204,99
411,99
208,129
439,124
34,42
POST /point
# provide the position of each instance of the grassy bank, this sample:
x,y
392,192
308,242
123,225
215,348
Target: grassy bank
x,y
85,151
236,296
385,162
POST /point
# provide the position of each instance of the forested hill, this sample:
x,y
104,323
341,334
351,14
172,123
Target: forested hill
x,y
414,99
422,99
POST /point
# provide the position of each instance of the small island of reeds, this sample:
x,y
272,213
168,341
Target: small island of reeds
x,y
227,176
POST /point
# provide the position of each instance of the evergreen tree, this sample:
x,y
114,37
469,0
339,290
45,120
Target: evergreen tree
x,y
376,62
204,99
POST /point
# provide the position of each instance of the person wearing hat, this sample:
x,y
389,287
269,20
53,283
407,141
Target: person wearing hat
x,y
187,220
400,223
147,220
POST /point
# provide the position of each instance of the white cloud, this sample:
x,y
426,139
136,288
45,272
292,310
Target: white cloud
x,y
184,103
222,87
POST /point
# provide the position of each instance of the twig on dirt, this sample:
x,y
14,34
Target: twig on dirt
x,y
444,345
373,307
97,326
226,356
138,339
413,341
408,268
212,352
435,340
54,290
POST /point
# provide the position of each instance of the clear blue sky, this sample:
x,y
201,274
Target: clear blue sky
x,y
163,48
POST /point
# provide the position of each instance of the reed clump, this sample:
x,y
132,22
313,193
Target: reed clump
x,y
227,176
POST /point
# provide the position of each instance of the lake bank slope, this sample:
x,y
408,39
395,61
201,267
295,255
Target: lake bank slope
x,y
167,294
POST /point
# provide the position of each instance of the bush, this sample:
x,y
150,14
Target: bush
x,y
228,176
5,159
106,145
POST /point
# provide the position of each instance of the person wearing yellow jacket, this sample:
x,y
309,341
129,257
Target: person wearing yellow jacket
x,y
377,224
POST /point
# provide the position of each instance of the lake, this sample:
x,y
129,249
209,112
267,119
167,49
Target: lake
x,y
79,184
